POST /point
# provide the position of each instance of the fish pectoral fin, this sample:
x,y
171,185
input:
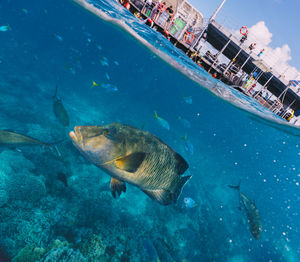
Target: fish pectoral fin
x,y
130,163
181,164
117,186
163,196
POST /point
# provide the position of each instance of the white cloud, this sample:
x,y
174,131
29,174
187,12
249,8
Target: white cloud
x,y
278,58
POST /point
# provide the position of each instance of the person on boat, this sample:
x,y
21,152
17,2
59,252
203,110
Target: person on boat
x,y
147,6
252,46
170,12
243,39
261,52
154,11
160,9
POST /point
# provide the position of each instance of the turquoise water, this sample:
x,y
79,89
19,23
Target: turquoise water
x,y
138,71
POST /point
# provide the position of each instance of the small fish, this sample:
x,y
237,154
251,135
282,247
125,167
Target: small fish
x,y
188,145
89,40
107,76
94,84
135,156
110,88
188,99
25,11
251,212
87,34
189,202
116,63
63,178
71,69
162,121
185,123
12,138
59,110
99,47
104,61
75,50
4,28
58,37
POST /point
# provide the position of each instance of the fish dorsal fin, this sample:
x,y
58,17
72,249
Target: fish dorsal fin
x,y
181,164
155,114
164,197
130,163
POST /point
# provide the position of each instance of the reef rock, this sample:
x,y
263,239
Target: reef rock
x,y
29,254
63,254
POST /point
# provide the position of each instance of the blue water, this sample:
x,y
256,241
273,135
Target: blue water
x,y
60,43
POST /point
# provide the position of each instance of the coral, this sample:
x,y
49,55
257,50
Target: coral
x,y
93,248
14,161
29,254
63,254
3,193
24,186
16,180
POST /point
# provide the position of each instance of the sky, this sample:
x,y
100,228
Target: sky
x,y
273,24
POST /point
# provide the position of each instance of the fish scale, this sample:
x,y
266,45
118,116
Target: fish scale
x,y
154,171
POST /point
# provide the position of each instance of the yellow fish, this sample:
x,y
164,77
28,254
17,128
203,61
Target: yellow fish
x,y
94,84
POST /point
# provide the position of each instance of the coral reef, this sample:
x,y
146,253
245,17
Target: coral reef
x,y
17,178
93,248
29,254
63,254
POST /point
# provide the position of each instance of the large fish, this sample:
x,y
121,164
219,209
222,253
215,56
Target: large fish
x,y
251,213
59,110
134,156
14,139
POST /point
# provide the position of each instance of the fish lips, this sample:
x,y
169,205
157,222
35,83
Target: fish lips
x,y
76,136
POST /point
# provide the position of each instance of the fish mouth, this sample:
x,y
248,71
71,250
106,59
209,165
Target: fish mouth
x,y
76,135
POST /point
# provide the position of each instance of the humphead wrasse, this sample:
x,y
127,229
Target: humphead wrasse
x,y
134,156
251,212
59,110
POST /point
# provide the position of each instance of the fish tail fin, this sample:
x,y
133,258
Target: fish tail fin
x,y
195,205
94,84
155,114
165,197
183,180
237,187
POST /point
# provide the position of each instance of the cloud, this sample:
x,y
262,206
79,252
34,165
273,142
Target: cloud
x,y
278,58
